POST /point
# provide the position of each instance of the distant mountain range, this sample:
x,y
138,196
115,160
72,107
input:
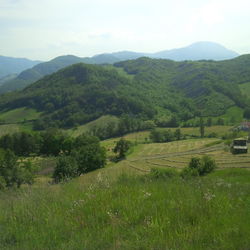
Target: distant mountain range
x,y
10,65
196,51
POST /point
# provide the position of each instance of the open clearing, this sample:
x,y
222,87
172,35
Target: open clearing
x,y
19,115
8,129
178,154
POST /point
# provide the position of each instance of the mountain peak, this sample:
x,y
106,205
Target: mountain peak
x,y
203,50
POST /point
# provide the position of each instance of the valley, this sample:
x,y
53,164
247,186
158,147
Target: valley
x,y
68,186
124,125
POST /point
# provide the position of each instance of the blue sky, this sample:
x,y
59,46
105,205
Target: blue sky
x,y
45,29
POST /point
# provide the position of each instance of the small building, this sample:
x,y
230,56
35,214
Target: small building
x,y
239,146
245,126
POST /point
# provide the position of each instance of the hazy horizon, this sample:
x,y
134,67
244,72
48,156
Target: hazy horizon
x,y
44,30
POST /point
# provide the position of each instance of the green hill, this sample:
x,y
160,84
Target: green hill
x,y
145,89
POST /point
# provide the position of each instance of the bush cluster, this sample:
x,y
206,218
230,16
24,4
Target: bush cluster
x,y
157,135
13,172
196,167
199,166
86,155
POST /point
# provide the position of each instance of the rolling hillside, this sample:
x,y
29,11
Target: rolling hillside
x,y
144,88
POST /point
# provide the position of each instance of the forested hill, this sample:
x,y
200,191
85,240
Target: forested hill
x,y
213,86
144,88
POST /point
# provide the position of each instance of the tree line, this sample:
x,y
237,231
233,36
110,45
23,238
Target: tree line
x,y
76,156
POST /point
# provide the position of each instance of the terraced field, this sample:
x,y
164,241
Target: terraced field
x,y
178,154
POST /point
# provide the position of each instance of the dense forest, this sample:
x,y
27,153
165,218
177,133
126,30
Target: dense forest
x,y
144,89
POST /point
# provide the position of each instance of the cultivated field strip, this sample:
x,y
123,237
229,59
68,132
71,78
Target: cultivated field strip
x,y
147,158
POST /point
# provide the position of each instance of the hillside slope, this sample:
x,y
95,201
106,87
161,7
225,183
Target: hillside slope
x,y
144,88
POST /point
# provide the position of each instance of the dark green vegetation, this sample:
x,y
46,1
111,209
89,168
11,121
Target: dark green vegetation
x,y
159,135
76,155
78,94
148,212
199,166
10,65
122,147
82,156
164,91
13,172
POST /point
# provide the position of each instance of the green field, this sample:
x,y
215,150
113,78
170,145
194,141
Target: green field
x,y
19,115
13,128
178,154
9,129
99,123
143,136
234,115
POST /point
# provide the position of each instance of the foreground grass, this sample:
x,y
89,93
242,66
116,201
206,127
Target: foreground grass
x,y
131,213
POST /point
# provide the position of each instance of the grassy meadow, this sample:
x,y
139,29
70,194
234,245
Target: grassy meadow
x,y
125,206
99,123
133,212
19,115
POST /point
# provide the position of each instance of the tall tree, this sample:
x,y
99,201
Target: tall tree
x,y
202,127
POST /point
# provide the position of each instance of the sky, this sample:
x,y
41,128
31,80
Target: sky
x,y
44,29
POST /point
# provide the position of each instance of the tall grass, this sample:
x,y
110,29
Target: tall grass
x,y
132,213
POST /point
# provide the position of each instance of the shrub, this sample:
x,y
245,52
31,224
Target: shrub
x,y
199,166
90,157
66,168
14,172
208,165
195,163
121,147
